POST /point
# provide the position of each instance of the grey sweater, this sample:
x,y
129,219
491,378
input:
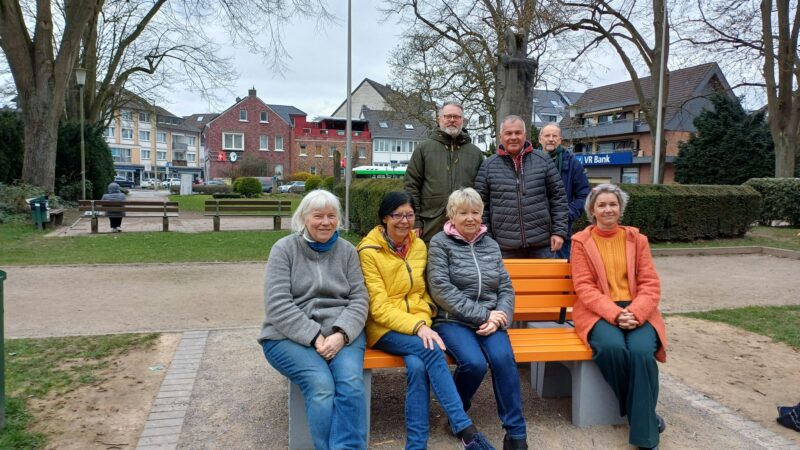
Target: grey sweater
x,y
308,292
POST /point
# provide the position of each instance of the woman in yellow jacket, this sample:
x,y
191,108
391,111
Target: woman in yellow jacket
x,y
393,260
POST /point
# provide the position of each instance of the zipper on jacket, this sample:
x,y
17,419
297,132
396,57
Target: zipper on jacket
x,y
477,269
520,193
411,280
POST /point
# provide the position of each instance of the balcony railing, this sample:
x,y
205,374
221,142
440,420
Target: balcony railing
x,y
179,163
617,127
179,146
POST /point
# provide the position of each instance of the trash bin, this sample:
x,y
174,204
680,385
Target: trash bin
x,y
39,211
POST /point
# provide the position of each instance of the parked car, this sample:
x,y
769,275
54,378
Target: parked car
x,y
294,186
266,184
150,183
215,183
171,182
123,182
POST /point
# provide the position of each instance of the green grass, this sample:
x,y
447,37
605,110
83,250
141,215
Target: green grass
x,y
785,238
196,203
781,323
38,367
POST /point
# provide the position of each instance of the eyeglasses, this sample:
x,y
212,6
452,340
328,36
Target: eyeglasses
x,y
452,117
400,216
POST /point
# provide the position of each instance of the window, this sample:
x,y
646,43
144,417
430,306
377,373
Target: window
x,y
630,175
242,115
191,141
552,118
331,150
127,133
144,116
110,132
408,126
121,154
278,143
199,118
302,149
161,155
190,157
362,152
383,124
481,139
279,170
318,151
233,141
144,136
263,117
161,137
126,114
145,155
263,142
312,170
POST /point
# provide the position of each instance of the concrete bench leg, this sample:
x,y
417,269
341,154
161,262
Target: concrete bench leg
x,y
593,401
299,437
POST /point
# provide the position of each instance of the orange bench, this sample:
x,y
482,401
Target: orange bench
x,y
544,296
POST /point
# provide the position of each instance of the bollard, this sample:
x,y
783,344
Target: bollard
x,y
2,358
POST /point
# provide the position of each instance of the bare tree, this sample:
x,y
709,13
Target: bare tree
x,y
128,39
757,40
621,24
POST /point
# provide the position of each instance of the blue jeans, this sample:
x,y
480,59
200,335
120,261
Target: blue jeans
x,y
529,253
474,354
425,368
333,390
563,253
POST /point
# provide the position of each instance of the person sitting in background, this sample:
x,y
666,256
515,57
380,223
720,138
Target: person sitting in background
x,y
393,259
114,218
316,305
616,311
472,288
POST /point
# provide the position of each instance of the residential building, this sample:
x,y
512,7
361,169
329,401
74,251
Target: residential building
x,y
200,121
609,133
552,106
393,140
251,128
315,144
369,94
147,141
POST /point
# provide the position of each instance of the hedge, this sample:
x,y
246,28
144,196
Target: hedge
x,y
780,199
676,212
663,212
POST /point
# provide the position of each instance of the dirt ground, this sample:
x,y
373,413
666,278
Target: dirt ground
x,y
743,371
111,413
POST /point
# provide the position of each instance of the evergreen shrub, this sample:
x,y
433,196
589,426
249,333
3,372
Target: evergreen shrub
x,y
247,186
227,195
365,198
673,212
313,182
780,199
300,176
210,189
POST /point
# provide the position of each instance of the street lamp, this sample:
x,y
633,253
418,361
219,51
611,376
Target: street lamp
x,y
80,78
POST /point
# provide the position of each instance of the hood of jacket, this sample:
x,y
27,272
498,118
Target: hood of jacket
x,y
113,188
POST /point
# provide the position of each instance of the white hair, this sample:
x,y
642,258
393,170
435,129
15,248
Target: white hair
x,y
605,188
315,200
464,197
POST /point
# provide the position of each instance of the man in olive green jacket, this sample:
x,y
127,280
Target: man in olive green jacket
x,y
446,161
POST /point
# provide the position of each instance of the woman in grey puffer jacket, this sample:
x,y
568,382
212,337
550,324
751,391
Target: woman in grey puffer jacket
x,y
470,284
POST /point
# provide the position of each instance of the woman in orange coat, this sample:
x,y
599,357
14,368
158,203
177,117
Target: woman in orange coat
x,y
617,314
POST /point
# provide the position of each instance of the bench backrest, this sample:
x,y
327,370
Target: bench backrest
x,y
225,206
541,285
133,206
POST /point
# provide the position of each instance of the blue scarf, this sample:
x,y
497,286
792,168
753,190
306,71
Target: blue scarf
x,y
321,246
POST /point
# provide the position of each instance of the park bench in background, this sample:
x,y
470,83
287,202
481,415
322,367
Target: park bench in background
x,y
101,208
248,208
544,297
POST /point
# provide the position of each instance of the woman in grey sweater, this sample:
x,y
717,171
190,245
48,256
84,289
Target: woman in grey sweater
x,y
470,284
316,304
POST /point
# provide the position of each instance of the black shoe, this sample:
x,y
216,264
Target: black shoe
x,y
478,442
791,420
649,448
514,444
661,424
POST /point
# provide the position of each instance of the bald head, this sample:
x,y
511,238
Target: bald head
x,y
550,137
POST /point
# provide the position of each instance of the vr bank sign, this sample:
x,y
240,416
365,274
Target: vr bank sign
x,y
605,159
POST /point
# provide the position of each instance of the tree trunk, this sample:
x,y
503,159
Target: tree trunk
x,y
785,147
515,77
41,139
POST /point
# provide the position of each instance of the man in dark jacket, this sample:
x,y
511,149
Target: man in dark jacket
x,y
576,185
446,161
525,204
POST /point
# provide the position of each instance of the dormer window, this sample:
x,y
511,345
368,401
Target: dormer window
x,y
408,126
383,124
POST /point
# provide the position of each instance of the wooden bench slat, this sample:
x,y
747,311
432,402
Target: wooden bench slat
x,y
525,286
250,202
239,208
520,271
544,300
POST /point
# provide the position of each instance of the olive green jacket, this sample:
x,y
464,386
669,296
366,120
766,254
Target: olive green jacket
x,y
439,166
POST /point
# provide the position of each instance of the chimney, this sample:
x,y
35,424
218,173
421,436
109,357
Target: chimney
x,y
238,99
252,92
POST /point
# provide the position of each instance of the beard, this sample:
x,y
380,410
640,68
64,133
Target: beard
x,y
453,131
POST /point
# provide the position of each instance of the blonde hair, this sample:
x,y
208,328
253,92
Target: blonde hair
x,y
463,197
605,188
314,200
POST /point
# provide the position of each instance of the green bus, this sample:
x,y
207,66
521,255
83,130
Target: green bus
x,y
379,172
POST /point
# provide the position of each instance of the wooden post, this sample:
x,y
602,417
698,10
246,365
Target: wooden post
x,y
216,222
94,224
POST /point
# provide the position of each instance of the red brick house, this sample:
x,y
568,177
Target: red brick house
x,y
316,142
251,128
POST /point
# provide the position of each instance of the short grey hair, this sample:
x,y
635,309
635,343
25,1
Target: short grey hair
x,y
314,200
552,124
451,103
513,118
463,197
605,188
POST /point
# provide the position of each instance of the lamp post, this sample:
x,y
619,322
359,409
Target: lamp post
x,y
80,78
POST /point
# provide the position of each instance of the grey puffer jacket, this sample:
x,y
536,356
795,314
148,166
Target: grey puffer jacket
x,y
114,194
468,281
523,209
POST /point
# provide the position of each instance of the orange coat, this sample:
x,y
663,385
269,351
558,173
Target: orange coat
x,y
594,301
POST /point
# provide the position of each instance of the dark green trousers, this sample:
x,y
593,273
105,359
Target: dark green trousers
x,y
627,361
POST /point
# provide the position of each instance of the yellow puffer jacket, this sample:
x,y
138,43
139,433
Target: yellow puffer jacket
x,y
398,298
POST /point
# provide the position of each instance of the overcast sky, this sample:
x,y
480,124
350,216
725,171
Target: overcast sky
x,y
316,79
